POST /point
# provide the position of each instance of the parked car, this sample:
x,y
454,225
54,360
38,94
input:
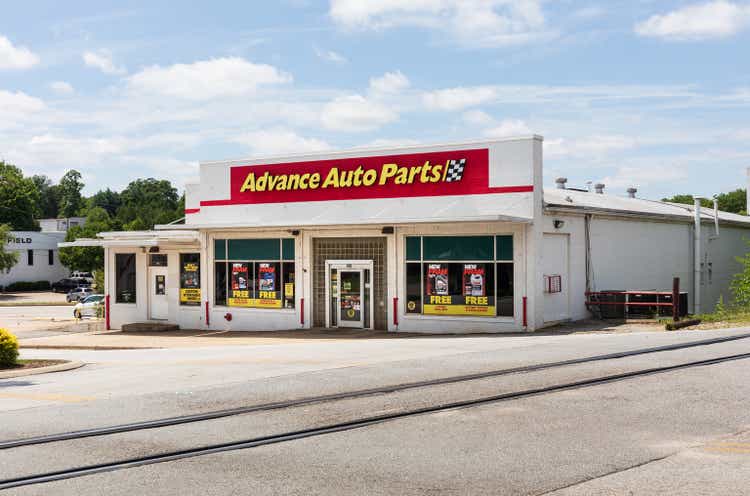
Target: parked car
x,y
79,293
86,276
68,284
87,307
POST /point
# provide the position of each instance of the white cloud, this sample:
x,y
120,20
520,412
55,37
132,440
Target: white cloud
x,y
596,146
16,57
355,113
330,56
459,98
508,127
279,141
207,79
18,104
390,143
643,176
62,87
390,82
478,23
590,12
477,118
102,60
716,19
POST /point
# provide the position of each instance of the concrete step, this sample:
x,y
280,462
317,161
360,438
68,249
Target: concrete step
x,y
149,327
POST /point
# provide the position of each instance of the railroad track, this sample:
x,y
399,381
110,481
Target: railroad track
x,y
348,425
216,414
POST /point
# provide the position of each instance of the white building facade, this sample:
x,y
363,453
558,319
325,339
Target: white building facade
x,y
38,257
446,238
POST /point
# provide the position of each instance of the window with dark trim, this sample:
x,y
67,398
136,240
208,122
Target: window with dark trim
x,y
190,279
51,257
459,275
158,260
30,257
256,273
125,278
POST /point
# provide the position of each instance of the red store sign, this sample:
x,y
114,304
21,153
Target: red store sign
x,y
461,172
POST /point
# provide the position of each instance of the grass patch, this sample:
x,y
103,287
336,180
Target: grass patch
x,y
32,364
727,316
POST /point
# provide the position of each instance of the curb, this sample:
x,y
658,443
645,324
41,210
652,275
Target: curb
x,y
84,347
60,367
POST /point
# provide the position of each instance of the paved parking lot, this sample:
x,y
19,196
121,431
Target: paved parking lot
x,y
682,432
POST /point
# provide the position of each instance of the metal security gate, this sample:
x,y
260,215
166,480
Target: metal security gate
x,y
370,248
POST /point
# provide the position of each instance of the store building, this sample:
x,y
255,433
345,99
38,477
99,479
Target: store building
x,y
38,257
445,238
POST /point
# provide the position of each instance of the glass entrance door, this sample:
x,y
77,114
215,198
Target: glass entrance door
x,y
350,302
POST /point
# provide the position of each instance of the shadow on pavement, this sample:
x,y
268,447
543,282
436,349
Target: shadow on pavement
x,y
609,326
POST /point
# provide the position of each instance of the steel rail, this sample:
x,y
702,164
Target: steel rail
x,y
342,426
216,414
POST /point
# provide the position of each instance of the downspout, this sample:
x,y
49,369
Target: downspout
x,y
587,241
716,218
697,258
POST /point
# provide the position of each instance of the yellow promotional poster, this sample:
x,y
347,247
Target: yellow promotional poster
x,y
190,295
459,310
459,305
289,290
268,299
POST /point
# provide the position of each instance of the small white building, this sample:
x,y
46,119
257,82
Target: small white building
x,y
446,238
60,224
38,257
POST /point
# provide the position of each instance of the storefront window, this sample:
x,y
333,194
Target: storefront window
x,y
413,288
288,271
456,275
505,289
220,280
125,278
253,273
190,279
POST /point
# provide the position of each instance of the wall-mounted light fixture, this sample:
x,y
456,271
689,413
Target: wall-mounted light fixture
x,y
558,223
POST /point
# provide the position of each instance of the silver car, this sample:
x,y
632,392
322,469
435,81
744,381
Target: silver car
x,y
88,306
79,293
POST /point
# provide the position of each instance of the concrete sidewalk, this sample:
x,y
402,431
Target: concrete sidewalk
x,y
197,339
114,340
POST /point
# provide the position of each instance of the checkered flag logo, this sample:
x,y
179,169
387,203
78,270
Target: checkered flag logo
x,y
455,170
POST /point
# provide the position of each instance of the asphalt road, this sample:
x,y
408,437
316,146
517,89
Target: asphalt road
x,y
682,432
36,321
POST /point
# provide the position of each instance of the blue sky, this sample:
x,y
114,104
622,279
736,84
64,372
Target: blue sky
x,y
652,94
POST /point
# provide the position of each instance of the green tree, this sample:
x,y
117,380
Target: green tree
x,y
107,199
19,199
49,196
86,258
146,202
688,200
71,202
733,201
7,258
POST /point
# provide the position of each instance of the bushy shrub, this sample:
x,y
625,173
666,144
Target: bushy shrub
x,y
8,348
741,283
28,286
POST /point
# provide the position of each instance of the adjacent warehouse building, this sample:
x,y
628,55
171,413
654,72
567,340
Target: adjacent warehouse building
x,y
38,257
444,238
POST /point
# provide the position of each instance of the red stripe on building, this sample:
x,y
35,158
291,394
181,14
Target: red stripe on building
x,y
496,190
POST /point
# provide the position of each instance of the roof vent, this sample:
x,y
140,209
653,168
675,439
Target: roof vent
x,y
632,192
599,188
560,182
